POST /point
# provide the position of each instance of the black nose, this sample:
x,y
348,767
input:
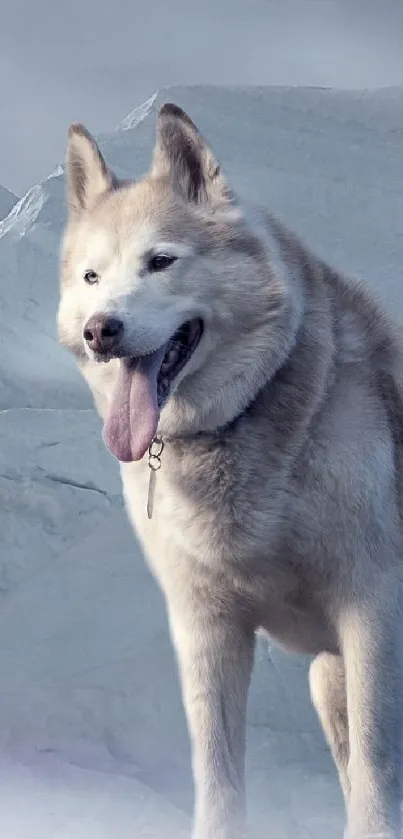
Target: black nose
x,y
103,333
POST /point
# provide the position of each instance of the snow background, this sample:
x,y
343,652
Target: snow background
x,y
92,61
93,742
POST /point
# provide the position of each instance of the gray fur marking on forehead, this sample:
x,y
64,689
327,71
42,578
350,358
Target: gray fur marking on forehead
x,y
182,161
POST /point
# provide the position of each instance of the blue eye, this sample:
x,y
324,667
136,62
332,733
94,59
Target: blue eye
x,y
91,277
159,262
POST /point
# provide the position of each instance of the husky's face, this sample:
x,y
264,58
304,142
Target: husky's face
x,y
163,278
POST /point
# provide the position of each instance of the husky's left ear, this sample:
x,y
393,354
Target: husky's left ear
x,y
87,174
182,154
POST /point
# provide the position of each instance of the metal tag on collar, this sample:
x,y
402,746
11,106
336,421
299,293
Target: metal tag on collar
x,y
154,464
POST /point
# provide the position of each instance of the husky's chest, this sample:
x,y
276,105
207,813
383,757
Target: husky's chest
x,y
218,522
227,546
172,512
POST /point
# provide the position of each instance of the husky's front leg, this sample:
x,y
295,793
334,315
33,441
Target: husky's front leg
x,y
215,655
372,649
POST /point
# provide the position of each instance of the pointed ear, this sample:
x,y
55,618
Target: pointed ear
x,y
182,154
87,174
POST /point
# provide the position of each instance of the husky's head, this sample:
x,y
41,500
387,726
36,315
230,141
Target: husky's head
x,y
165,280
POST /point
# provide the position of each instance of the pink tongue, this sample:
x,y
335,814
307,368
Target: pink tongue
x,y
133,416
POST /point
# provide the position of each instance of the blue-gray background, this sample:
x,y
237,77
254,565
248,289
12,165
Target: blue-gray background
x,y
93,60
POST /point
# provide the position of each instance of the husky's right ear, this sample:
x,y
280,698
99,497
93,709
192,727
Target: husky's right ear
x,y
87,174
182,154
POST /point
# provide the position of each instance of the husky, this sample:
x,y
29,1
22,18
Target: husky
x,y
253,396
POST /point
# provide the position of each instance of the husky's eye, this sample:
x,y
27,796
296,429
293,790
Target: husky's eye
x,y
159,262
91,277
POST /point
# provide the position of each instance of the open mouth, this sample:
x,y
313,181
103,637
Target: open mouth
x,y
178,352
143,387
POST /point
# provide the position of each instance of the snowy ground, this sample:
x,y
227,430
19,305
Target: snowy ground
x,y
92,737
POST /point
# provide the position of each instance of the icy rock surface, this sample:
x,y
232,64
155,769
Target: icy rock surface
x,y
7,201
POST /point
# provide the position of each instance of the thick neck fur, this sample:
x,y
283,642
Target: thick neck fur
x,y
210,399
